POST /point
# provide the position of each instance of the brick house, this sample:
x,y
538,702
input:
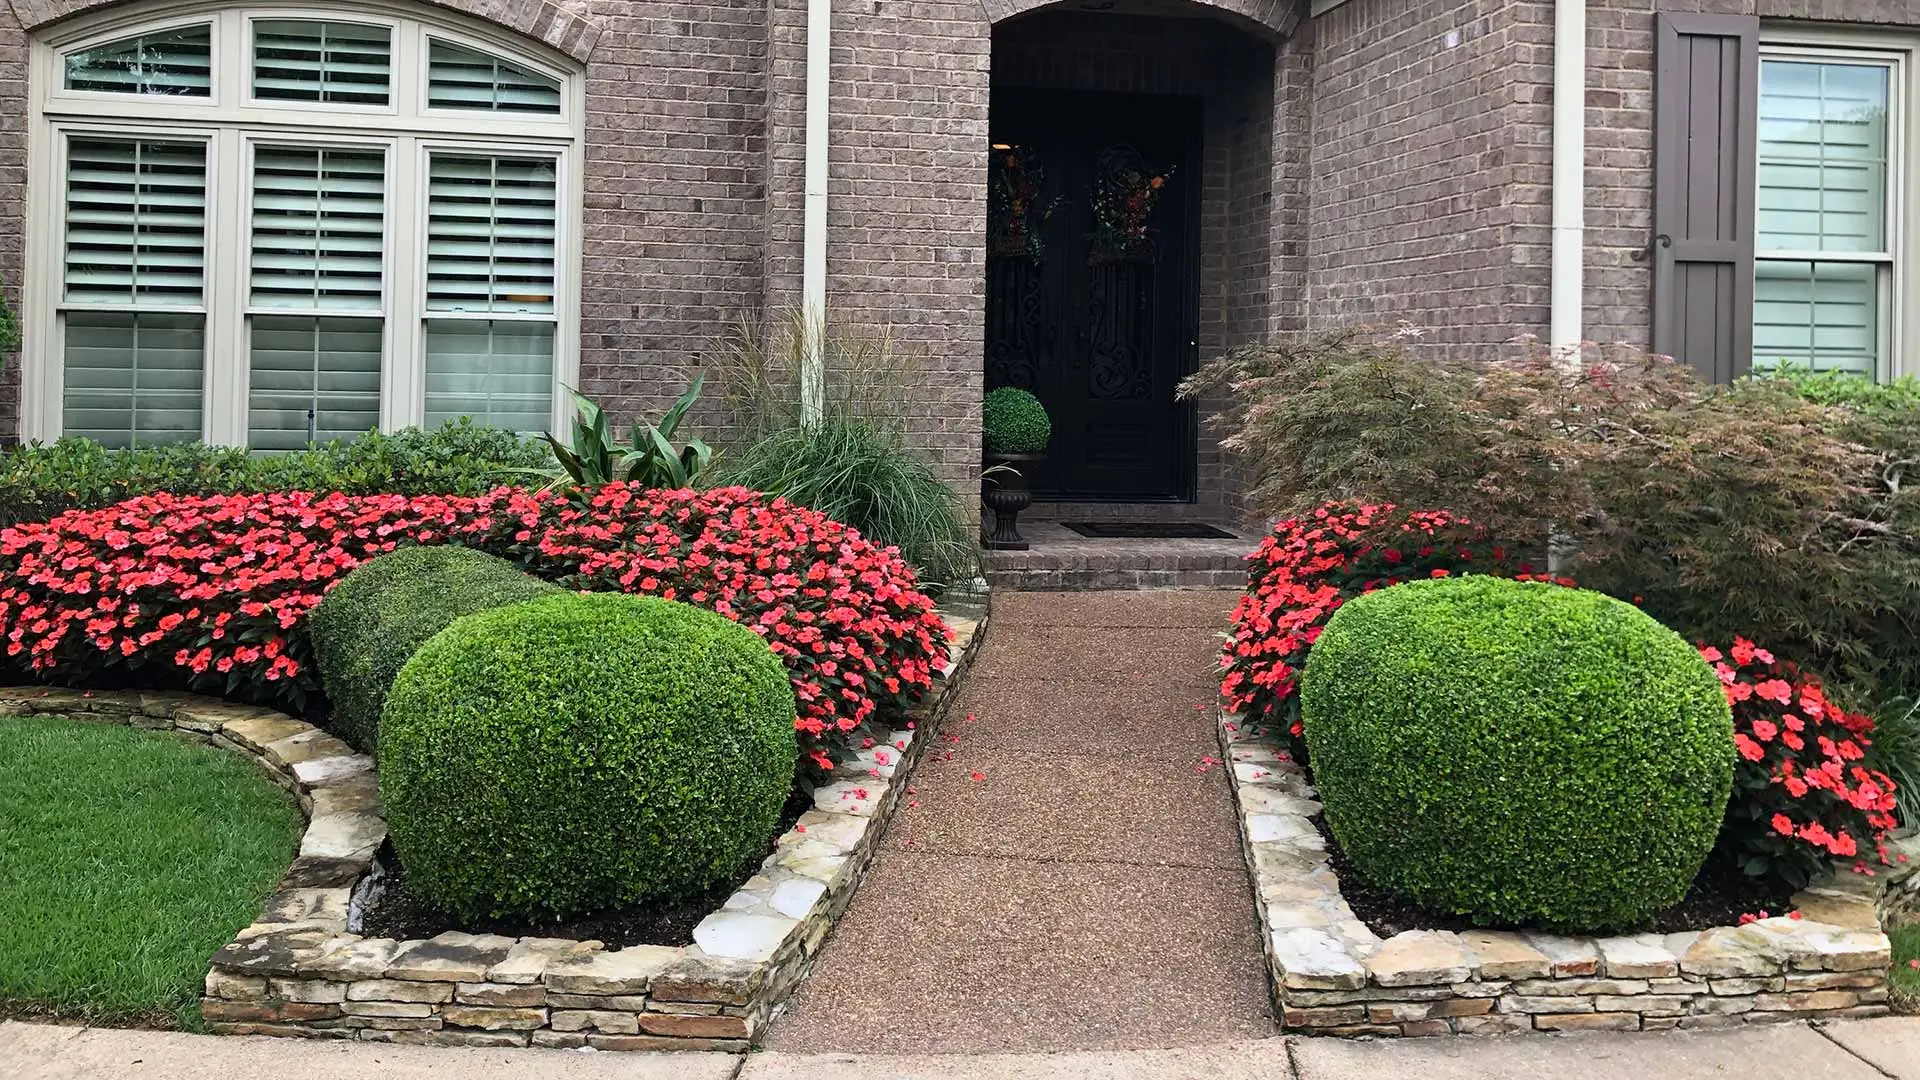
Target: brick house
x,y
259,222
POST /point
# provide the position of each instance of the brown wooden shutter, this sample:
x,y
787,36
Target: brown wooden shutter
x,y
1706,127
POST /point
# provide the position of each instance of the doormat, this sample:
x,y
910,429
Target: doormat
x,y
1148,530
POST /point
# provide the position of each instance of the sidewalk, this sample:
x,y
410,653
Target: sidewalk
x,y
1854,1050
1071,876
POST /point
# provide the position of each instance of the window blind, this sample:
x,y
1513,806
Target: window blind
x,y
318,240
307,60
490,234
463,78
136,221
498,372
1823,315
133,378
177,62
312,379
1823,157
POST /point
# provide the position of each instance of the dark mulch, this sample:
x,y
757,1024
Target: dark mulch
x,y
1718,897
402,914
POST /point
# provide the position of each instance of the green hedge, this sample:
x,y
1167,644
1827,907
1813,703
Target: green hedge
x,y
1520,753
380,614
38,482
1015,422
584,752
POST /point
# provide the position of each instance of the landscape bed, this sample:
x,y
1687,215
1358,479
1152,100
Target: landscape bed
x,y
301,969
1332,975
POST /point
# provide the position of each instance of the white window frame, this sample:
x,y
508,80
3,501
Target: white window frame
x,y
1900,286
232,125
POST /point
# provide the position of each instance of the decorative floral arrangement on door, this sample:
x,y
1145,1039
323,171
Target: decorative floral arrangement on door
x,y
1125,192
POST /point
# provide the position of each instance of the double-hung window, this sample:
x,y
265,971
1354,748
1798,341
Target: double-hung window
x,y
1830,267
274,225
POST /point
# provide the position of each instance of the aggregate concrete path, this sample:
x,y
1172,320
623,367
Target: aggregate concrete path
x,y
1856,1050
1067,873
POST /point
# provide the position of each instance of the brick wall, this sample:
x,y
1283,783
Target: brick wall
x,y
1429,168
13,198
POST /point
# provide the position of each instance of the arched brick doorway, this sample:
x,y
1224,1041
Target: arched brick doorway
x,y
1129,215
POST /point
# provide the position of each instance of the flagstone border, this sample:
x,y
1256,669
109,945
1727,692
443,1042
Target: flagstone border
x,y
1331,975
300,970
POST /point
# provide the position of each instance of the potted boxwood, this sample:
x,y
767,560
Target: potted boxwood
x,y
1017,430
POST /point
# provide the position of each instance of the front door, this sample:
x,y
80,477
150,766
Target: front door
x,y
1091,296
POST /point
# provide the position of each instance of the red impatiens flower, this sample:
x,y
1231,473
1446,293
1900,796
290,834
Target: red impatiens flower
x,y
1799,797
213,592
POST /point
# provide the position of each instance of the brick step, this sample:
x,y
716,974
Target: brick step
x,y
1060,560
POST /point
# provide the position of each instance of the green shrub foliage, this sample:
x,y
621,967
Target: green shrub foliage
x,y
583,752
1520,753
1016,422
39,482
861,473
380,614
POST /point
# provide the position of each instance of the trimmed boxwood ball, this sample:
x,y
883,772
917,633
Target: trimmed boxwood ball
x,y
1517,752
578,753
1015,422
369,625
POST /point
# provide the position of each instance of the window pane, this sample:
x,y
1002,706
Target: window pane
x,y
317,228
490,234
133,379
1823,156
136,221
1820,315
463,78
301,60
176,62
498,372
313,380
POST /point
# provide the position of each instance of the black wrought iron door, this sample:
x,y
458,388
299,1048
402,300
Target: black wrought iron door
x,y
1091,283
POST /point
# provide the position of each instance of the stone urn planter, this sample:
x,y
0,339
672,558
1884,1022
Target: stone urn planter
x,y
1004,490
1015,431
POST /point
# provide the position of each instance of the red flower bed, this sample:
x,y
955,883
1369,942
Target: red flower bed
x,y
1800,795
1308,566
212,593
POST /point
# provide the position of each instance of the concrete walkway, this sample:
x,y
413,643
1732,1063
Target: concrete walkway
x,y
1071,877
1856,1050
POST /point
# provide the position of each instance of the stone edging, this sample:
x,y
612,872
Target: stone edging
x,y
300,970
1332,975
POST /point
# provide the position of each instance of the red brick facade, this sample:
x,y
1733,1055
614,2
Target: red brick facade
x,y
1386,161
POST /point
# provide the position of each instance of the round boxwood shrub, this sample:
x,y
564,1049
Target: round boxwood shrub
x,y
1517,752
370,624
577,753
1016,422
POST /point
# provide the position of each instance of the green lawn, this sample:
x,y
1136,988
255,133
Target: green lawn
x,y
127,858
1906,978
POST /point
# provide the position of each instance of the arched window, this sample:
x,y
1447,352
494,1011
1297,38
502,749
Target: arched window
x,y
267,225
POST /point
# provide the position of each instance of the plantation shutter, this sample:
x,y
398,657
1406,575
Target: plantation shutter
x,y
136,221
499,372
491,250
306,60
317,246
463,78
490,234
135,236
1823,245
318,218
176,62
1706,104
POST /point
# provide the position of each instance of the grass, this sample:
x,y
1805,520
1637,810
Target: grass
x,y
1906,978
128,858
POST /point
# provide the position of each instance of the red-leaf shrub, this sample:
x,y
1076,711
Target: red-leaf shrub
x,y
213,592
1800,793
1308,566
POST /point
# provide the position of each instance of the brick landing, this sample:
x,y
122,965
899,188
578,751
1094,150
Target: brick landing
x,y
1061,559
